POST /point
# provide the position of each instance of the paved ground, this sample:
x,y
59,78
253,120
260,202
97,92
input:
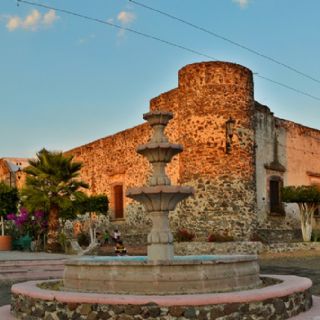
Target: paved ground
x,y
19,255
305,264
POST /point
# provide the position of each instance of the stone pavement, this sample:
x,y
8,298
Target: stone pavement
x,y
25,255
303,266
18,261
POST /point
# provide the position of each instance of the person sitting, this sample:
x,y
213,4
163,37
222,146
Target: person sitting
x,y
116,236
119,249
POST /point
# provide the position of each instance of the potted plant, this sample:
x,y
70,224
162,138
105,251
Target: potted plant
x,y
8,203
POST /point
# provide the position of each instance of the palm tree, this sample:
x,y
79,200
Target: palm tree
x,y
52,185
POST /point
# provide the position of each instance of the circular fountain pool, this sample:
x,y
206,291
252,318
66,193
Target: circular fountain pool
x,y
182,275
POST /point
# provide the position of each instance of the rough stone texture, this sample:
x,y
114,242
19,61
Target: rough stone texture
x,y
242,247
207,95
234,247
271,309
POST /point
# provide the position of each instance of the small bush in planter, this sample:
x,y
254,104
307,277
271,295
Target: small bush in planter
x,y
217,237
184,235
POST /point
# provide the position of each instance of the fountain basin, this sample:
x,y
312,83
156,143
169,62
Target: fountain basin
x,y
159,152
182,275
160,198
278,301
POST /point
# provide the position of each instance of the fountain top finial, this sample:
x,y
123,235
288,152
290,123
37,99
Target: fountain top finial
x,y
158,117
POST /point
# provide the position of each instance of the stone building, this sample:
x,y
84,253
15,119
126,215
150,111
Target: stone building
x,y
237,155
11,171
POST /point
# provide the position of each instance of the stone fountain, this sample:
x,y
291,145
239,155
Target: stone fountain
x,y
160,272
161,285
159,197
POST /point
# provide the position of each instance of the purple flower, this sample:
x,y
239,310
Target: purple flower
x,y
39,214
11,216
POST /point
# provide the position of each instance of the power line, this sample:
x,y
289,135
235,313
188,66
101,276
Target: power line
x,y
288,87
190,24
36,4
79,15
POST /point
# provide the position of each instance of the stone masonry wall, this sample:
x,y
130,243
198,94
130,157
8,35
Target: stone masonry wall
x,y
113,160
296,163
207,95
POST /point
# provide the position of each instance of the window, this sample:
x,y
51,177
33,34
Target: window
x,y
276,207
118,201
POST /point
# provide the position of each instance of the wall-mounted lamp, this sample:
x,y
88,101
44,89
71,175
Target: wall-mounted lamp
x,y
229,133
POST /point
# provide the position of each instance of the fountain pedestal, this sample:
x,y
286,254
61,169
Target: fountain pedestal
x,y
160,239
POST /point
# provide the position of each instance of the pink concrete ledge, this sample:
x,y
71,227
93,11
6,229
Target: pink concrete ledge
x,y
312,314
289,285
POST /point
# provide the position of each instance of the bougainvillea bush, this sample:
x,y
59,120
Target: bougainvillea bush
x,y
32,224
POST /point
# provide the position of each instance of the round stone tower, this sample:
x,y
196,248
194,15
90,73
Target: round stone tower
x,y
214,108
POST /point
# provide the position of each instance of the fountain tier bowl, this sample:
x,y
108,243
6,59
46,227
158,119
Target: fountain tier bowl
x,y
182,275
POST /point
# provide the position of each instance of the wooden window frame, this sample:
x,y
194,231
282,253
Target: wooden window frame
x,y
279,211
117,204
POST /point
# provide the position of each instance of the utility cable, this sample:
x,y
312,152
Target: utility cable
x,y
288,87
36,4
79,15
212,33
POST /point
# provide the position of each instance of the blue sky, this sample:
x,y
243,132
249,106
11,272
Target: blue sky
x,y
65,81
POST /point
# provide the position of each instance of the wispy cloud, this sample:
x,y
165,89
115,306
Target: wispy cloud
x,y
126,17
50,17
242,3
31,22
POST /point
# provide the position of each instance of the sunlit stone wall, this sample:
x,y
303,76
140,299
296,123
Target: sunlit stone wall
x,y
232,193
207,95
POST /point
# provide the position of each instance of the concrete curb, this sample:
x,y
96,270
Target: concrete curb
x,y
290,284
312,314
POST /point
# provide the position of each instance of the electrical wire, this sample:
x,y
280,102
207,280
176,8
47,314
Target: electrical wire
x,y
286,86
212,33
79,15
36,4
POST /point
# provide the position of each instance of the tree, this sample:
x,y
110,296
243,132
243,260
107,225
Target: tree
x,y
308,199
52,185
8,202
93,204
